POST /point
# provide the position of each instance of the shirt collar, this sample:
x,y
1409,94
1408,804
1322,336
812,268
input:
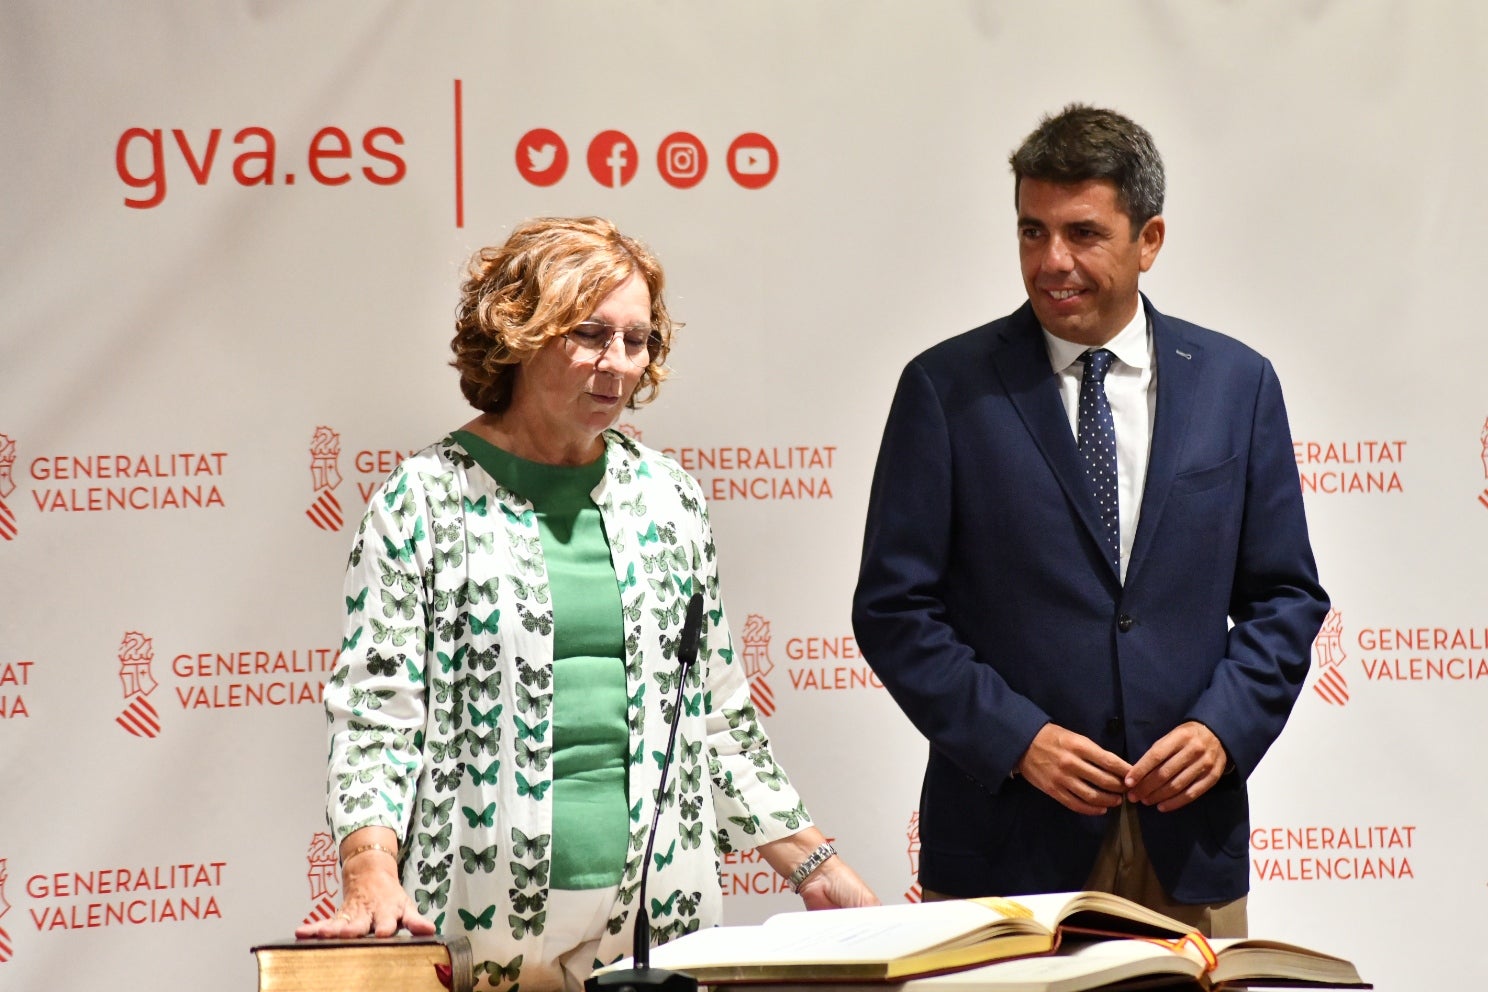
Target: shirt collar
x,y
1130,346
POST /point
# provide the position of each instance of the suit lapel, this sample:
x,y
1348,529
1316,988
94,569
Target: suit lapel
x,y
1178,367
1022,363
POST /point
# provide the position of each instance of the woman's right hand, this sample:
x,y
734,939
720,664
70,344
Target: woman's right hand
x,y
372,899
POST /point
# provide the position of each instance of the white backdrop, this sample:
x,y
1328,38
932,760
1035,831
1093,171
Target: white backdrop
x,y
230,229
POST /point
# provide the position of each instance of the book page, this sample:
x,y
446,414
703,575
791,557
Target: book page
x,y
1241,958
1050,908
1077,968
869,933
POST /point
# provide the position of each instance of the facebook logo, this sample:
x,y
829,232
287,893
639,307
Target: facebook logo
x,y
617,162
612,159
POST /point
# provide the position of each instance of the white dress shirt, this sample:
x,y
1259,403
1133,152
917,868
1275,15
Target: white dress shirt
x,y
1131,389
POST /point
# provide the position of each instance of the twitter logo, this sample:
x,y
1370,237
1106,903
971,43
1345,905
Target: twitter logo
x,y
542,157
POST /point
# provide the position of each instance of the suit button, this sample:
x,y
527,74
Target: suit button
x,y
1124,623
1113,725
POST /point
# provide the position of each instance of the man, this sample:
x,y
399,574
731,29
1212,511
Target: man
x,y
1098,653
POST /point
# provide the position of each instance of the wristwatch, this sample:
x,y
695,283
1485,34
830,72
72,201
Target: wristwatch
x,y
813,861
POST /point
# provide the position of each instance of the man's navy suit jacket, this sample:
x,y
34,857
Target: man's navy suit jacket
x,y
988,607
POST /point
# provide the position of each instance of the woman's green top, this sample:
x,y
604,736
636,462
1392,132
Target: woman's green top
x,y
591,827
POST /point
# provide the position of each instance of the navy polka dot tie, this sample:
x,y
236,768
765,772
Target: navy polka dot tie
x,y
1098,446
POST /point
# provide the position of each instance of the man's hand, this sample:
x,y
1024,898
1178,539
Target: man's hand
x,y
1182,766
1074,770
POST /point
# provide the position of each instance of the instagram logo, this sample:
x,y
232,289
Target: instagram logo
x,y
682,160
612,159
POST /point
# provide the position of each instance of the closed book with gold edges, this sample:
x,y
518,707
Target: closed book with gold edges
x,y
403,963
888,943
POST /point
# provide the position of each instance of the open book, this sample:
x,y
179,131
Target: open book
x,y
881,943
1082,966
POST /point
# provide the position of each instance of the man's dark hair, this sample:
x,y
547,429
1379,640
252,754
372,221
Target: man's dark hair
x,y
1082,143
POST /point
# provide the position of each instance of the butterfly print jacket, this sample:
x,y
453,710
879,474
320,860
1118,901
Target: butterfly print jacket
x,y
441,703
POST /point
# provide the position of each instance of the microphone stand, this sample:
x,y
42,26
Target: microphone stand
x,y
641,977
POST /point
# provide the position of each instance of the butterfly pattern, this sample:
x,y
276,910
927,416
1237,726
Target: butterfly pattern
x,y
441,705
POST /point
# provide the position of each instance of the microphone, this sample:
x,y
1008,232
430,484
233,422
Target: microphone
x,y
641,977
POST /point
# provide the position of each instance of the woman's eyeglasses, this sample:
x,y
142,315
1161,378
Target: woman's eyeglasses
x,y
590,339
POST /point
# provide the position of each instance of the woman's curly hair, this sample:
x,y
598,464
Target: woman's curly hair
x,y
552,273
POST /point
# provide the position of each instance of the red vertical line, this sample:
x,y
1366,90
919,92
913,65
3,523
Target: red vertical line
x,y
459,159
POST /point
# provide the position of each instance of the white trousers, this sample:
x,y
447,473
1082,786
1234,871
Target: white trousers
x,y
576,921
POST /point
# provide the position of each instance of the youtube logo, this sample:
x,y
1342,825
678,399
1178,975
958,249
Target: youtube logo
x,y
752,160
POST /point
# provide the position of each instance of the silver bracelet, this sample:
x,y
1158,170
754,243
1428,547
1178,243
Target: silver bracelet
x,y
813,861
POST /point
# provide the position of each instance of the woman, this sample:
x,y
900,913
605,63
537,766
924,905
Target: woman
x,y
514,603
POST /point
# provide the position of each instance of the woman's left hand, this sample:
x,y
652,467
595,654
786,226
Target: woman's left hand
x,y
836,886
833,885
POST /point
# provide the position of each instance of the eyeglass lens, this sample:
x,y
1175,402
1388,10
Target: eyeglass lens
x,y
592,338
